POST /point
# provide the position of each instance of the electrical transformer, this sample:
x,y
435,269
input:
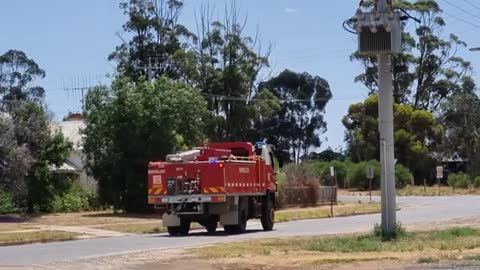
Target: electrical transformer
x,y
378,33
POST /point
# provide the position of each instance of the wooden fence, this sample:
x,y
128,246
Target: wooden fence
x,y
309,195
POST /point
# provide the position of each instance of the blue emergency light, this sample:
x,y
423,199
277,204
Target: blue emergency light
x,y
212,161
261,144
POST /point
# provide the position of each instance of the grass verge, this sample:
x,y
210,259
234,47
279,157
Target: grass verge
x,y
147,228
140,228
324,212
8,227
35,237
351,248
420,191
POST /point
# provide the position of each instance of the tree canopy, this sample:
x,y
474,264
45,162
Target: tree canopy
x,y
297,126
28,146
17,73
417,135
131,124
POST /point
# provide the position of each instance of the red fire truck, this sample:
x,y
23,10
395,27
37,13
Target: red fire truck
x,y
226,183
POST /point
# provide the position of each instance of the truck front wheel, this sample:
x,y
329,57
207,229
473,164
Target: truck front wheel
x,y
268,214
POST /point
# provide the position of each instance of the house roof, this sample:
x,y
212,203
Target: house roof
x,y
65,168
72,132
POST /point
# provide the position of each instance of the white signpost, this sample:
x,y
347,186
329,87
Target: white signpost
x,y
439,177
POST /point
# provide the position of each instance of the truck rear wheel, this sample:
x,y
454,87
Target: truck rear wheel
x,y
268,214
211,225
183,229
240,228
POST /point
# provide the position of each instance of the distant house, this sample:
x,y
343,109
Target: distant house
x,y
75,164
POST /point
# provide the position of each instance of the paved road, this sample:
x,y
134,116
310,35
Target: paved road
x,y
413,210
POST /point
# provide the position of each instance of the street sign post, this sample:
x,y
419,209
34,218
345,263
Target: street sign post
x,y
439,177
334,186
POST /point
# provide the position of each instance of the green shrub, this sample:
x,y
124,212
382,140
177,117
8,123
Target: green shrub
x,y
8,204
76,199
322,170
379,232
463,181
358,175
281,179
452,180
476,182
459,181
403,176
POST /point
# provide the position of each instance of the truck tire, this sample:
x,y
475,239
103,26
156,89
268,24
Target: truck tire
x,y
211,225
268,214
183,229
237,229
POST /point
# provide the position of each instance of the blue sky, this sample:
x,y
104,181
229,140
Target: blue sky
x,y
72,39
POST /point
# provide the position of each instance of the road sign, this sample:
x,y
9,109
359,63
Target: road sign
x,y
370,172
439,172
332,171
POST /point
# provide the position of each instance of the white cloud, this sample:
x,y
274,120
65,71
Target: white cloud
x,y
290,10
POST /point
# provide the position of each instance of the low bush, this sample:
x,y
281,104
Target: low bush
x,y
463,181
452,180
403,176
8,204
349,175
76,199
400,231
358,175
322,170
459,181
476,182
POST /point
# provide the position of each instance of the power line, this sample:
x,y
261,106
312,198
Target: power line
x,y
462,9
245,99
470,3
463,20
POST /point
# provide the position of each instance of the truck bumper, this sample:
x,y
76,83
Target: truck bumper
x,y
186,199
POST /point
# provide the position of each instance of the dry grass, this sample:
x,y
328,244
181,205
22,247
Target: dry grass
x,y
139,228
325,211
91,218
449,244
8,227
35,237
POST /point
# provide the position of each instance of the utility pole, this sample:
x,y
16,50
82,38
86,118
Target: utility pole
x,y
379,34
151,68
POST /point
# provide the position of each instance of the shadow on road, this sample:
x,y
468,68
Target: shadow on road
x,y
206,234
